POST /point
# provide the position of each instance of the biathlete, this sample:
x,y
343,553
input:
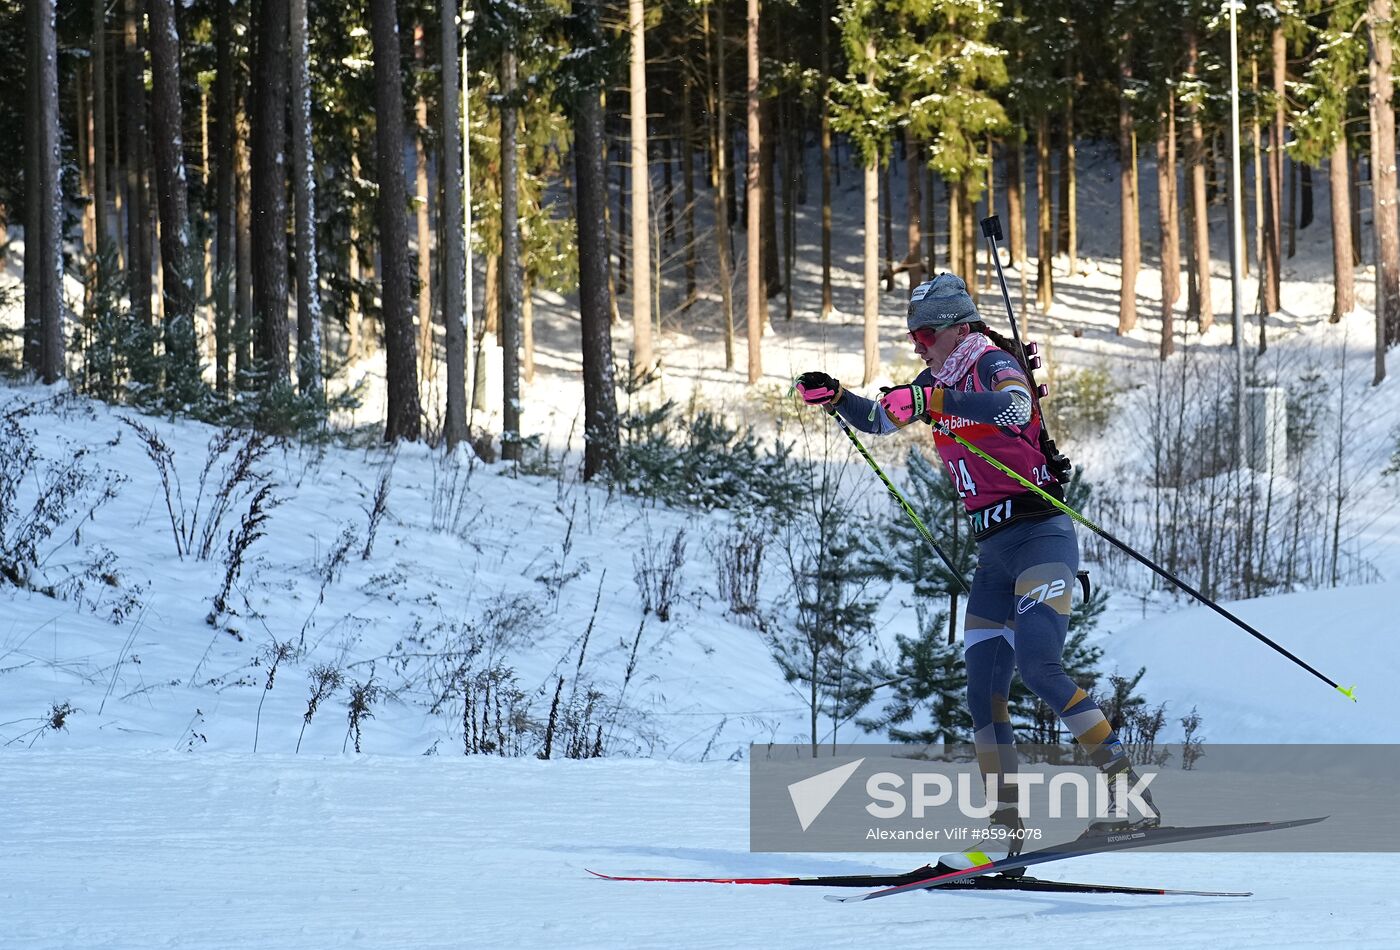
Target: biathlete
x,y
1027,554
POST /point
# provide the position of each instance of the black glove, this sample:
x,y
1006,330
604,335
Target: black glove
x,y
818,389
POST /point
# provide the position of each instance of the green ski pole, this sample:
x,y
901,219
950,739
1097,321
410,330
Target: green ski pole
x,y
1348,691
908,509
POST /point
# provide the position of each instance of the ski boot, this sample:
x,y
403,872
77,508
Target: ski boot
x,y
1119,816
1002,839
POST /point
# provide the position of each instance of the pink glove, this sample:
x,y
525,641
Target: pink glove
x,y
910,403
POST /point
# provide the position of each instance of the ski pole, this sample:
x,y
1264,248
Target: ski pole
x,y
1348,691
908,509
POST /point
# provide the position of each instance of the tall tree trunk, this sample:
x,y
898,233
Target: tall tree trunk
x,y
242,337
1174,203
1383,186
511,276
422,191
1061,231
1292,205
600,432
1354,183
969,243
392,212
99,123
491,305
688,184
1045,276
930,223
43,235
1166,221
225,242
756,304
824,34
668,192
719,171
1204,311
914,200
1127,196
1071,173
354,318
117,93
1259,188
203,212
138,255
269,85
624,270
1343,279
304,191
767,164
955,228
1014,150
640,192
33,186
85,156
1273,204
887,223
452,257
176,252
790,175
527,325
870,298
1305,200
643,360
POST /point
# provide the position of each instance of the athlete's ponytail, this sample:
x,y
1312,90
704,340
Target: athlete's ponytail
x,y
1004,344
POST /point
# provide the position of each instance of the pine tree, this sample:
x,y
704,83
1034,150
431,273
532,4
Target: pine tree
x,y
832,619
931,680
864,110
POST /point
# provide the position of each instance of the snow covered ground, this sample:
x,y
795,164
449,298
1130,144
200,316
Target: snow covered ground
x,y
162,849
169,804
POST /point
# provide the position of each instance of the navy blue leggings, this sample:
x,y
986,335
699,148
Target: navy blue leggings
x,y
1017,619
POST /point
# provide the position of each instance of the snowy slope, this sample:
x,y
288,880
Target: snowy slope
x,y
1255,695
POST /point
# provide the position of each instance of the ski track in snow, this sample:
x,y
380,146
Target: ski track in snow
x,y
168,850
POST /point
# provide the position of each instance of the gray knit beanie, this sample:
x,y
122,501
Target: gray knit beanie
x,y
941,302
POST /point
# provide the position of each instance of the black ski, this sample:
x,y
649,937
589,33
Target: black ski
x,y
1119,841
995,882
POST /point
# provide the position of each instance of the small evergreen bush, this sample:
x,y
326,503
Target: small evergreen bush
x,y
700,461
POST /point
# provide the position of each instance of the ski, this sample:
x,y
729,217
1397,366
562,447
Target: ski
x,y
1097,844
984,883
